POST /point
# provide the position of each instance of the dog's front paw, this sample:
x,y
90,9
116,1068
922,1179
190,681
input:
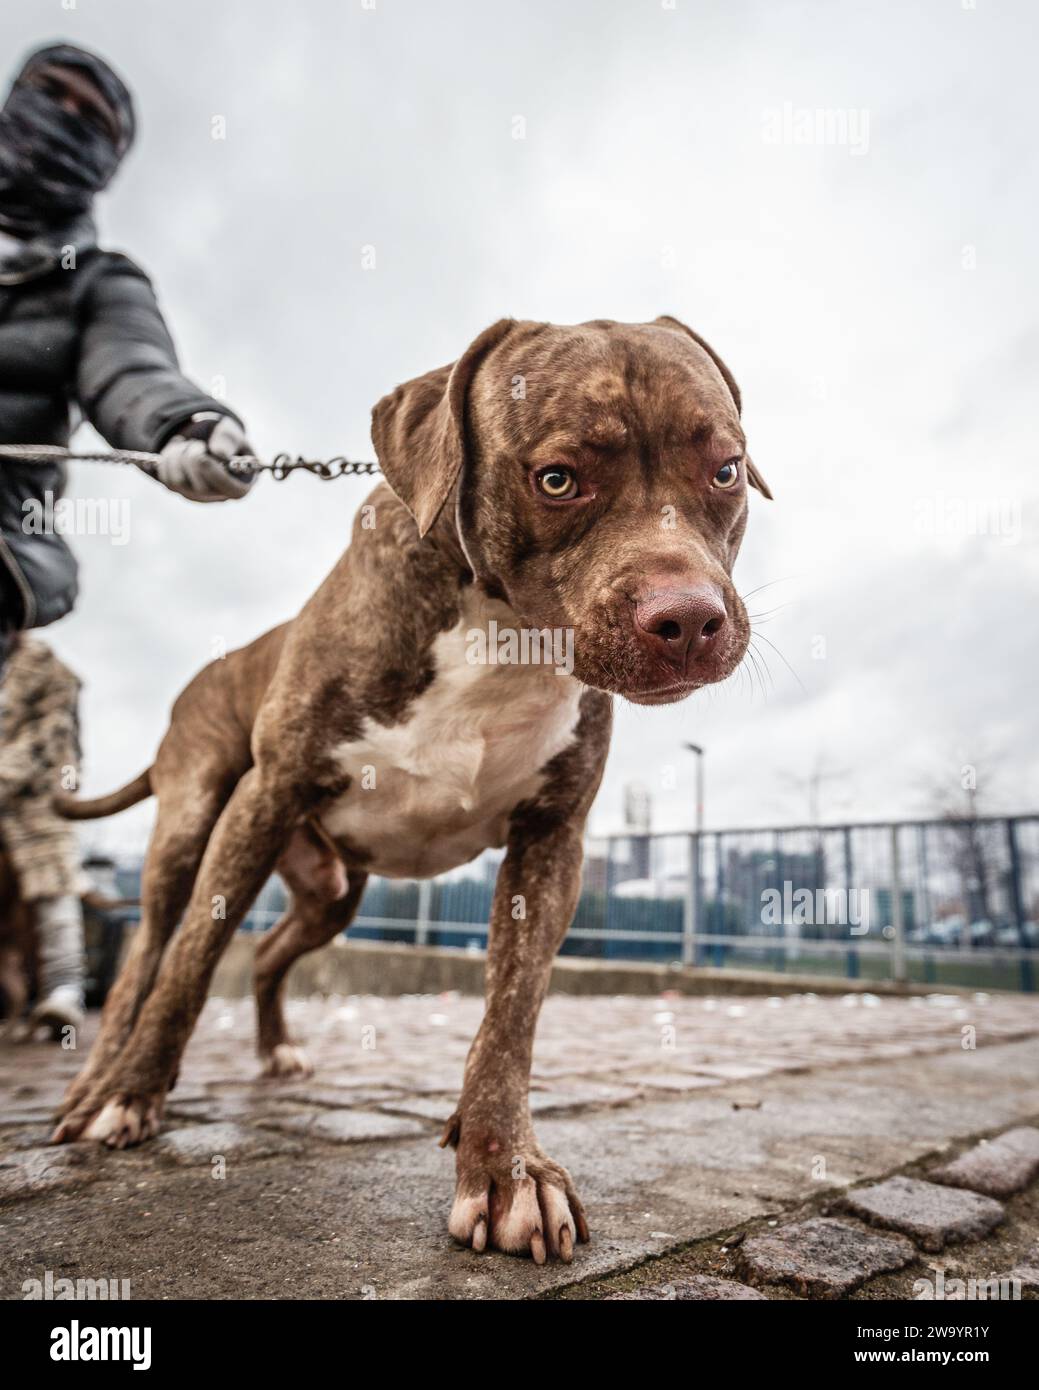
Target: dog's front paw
x,y
78,1090
287,1060
513,1198
118,1122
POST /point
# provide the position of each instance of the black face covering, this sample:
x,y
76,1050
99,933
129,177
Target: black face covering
x,y
51,161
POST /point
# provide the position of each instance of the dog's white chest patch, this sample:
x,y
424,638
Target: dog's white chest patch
x,y
431,792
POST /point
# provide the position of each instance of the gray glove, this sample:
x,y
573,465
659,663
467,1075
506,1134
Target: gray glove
x,y
194,461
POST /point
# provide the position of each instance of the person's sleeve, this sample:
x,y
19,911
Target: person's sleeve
x,y
32,757
128,381
19,766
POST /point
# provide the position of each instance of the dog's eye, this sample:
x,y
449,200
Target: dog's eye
x,y
558,483
728,474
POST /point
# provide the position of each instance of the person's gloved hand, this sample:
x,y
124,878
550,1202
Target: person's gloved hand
x,y
194,461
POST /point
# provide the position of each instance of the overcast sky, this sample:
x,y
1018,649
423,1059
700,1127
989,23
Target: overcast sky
x,y
868,275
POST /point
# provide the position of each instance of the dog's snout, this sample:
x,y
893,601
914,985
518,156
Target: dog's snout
x,y
681,625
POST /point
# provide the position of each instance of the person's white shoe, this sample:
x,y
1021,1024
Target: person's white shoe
x,y
62,1008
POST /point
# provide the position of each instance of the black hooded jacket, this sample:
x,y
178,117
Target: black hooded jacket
x,y
81,333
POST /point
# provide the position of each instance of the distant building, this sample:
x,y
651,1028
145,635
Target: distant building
x,y
638,821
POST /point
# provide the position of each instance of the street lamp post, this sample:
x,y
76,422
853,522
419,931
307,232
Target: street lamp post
x,y
696,748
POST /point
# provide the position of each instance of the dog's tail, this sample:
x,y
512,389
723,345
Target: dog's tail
x,y
71,808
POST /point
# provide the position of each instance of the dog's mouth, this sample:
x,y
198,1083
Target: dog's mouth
x,y
643,676
657,645
629,674
662,695
655,657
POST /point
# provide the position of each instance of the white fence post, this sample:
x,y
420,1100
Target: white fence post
x,y
898,941
425,904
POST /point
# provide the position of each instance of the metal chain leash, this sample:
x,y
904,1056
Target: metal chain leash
x,y
279,467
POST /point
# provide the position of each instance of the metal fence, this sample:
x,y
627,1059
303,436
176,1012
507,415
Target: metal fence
x,y
940,901
949,901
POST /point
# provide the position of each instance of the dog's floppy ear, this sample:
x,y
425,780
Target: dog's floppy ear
x,y
756,480
666,321
419,430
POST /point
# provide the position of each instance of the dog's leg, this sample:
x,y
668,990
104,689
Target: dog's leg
x,y
308,924
509,1194
124,1105
177,845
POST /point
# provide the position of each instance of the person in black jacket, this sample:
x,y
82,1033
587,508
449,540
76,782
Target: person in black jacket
x,y
81,333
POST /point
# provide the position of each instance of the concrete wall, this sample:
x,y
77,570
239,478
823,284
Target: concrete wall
x,y
375,967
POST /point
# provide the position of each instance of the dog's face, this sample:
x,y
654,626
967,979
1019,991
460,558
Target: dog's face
x,y
601,474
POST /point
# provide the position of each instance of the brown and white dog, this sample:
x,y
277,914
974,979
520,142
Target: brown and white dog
x,y
590,480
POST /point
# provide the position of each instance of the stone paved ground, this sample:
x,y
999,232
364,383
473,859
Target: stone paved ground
x,y
784,1144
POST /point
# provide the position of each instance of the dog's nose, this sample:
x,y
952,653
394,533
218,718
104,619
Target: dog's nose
x,y
681,624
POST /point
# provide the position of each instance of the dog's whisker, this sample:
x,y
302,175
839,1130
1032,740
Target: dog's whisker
x,y
767,669
767,613
750,593
743,671
760,661
761,671
783,659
